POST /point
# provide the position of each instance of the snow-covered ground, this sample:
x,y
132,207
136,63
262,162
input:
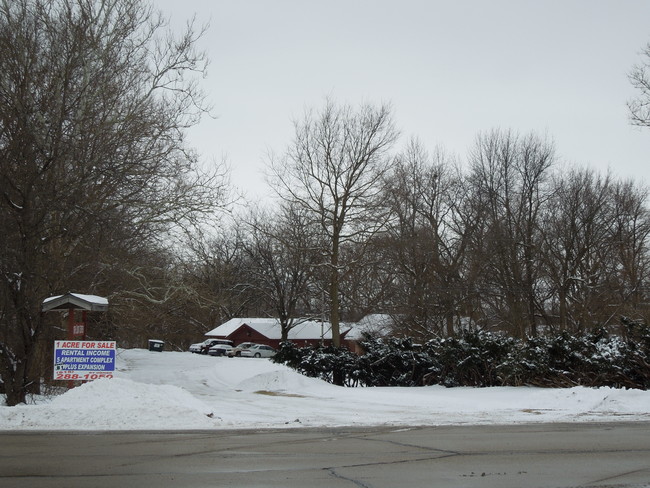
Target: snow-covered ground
x,y
175,391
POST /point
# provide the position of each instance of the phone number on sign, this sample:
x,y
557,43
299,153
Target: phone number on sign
x,y
87,376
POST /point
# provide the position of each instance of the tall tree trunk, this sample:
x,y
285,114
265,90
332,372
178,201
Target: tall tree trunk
x,y
334,295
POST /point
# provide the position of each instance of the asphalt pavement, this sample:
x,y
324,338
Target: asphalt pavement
x,y
542,455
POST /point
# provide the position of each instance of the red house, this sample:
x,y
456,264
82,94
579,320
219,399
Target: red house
x,y
267,331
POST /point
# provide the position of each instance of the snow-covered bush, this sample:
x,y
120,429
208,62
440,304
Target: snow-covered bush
x,y
485,359
392,362
327,363
471,359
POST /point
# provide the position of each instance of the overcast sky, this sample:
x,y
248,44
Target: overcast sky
x,y
451,69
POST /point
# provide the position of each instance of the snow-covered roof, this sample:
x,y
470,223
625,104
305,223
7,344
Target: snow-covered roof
x,y
77,301
374,324
270,327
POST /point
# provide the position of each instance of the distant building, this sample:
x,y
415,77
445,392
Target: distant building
x,y
267,331
374,325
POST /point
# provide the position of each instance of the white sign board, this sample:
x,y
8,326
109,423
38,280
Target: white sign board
x,y
84,360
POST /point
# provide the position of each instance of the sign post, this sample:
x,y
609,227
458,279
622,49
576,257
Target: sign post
x,y
77,358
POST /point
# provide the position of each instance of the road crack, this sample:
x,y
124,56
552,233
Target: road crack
x,y
332,472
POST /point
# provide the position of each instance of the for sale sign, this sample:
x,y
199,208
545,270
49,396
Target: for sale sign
x,y
84,360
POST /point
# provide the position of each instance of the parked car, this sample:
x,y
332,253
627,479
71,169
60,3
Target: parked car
x,y
258,351
236,352
203,347
220,349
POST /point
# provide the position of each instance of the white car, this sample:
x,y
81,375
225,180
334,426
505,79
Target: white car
x,y
258,351
236,352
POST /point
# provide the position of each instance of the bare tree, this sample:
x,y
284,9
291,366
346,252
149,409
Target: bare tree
x,y
577,251
368,287
283,252
629,234
94,100
427,244
220,270
334,169
510,174
639,107
595,250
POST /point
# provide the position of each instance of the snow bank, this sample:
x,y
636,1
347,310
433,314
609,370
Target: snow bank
x,y
283,381
112,404
176,391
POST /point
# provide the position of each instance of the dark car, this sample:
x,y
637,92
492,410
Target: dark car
x,y
204,347
220,349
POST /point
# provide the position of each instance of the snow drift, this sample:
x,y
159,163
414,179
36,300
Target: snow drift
x,y
179,391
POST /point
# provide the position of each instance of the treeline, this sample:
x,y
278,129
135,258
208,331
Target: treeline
x,y
510,241
483,359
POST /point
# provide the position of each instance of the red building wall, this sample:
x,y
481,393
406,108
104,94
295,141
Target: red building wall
x,y
247,334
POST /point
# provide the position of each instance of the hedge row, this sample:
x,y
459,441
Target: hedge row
x,y
484,359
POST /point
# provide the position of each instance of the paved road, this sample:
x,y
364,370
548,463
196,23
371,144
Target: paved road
x,y
545,455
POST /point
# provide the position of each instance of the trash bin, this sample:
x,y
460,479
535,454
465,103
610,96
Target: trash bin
x,y
155,345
